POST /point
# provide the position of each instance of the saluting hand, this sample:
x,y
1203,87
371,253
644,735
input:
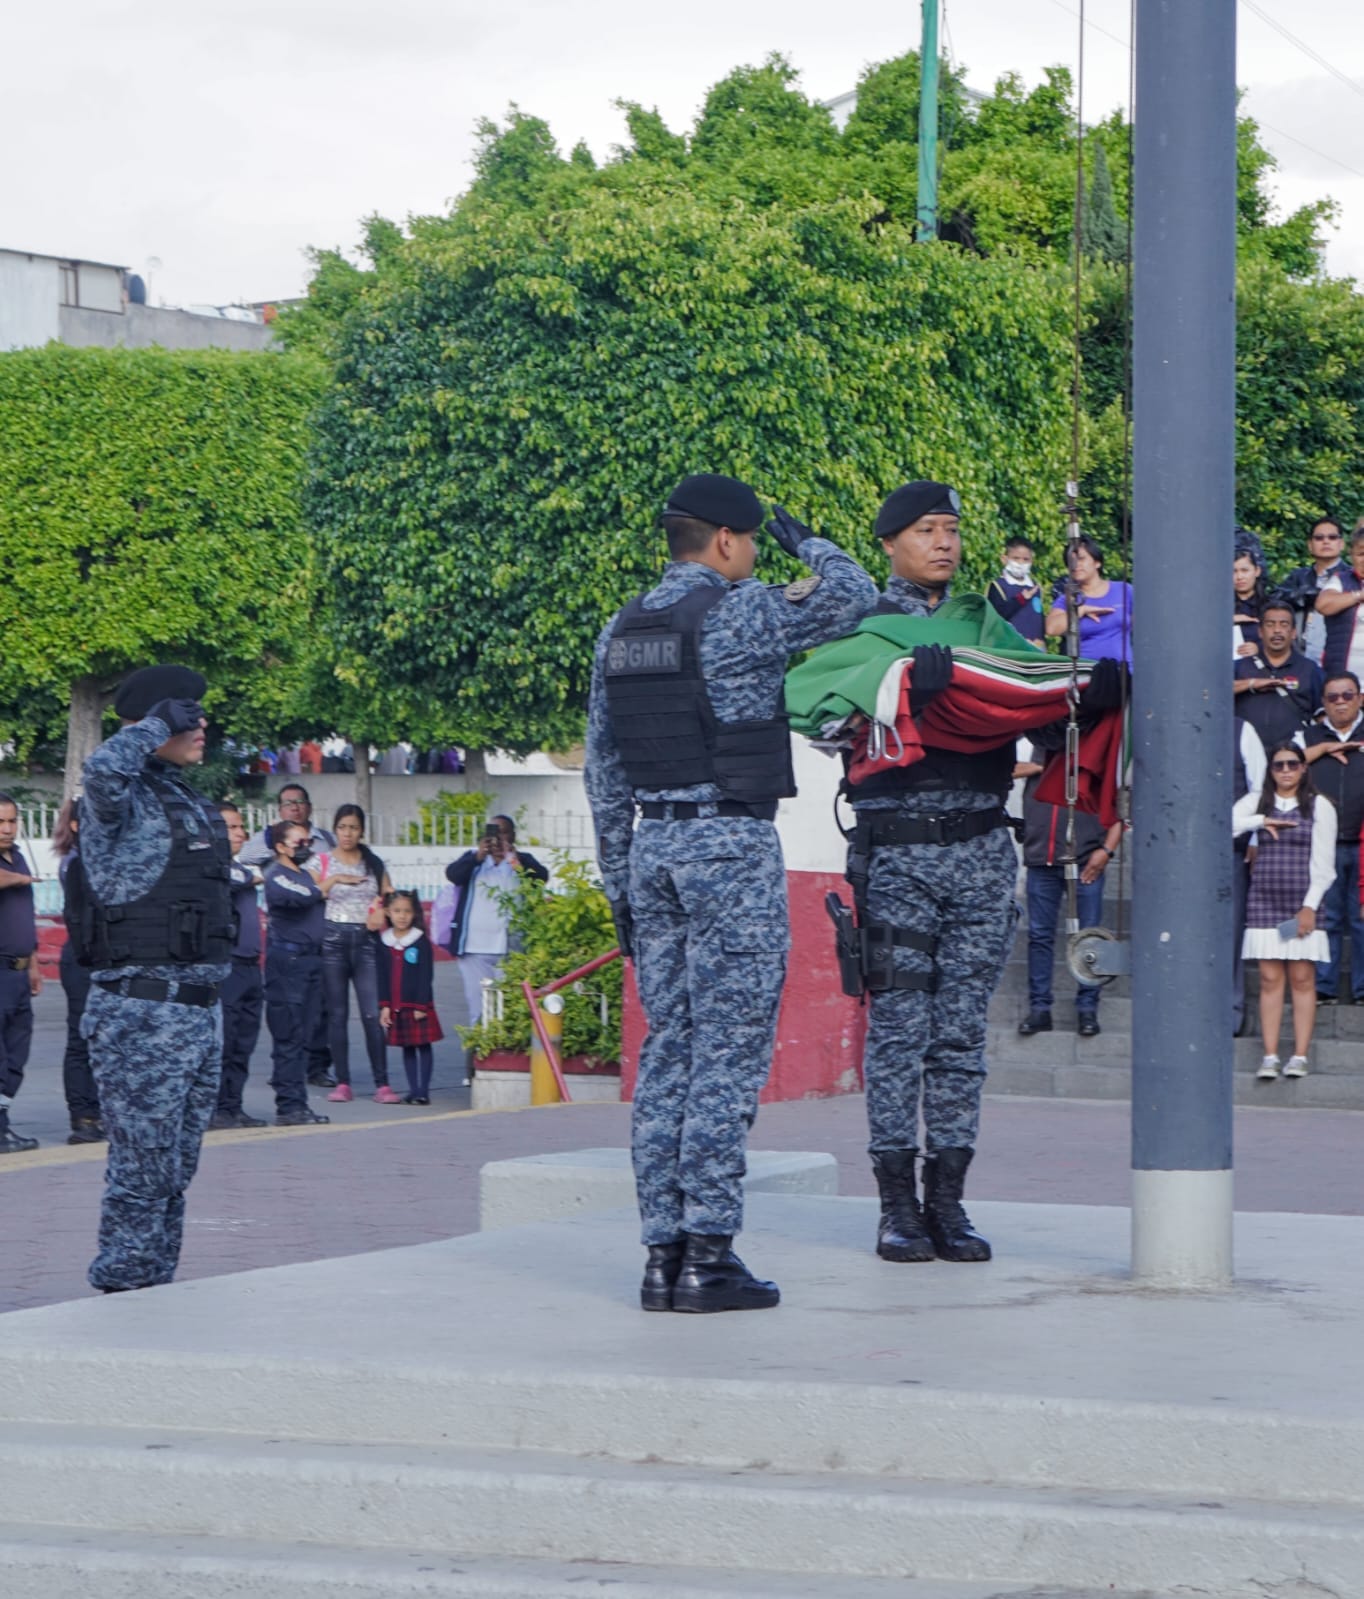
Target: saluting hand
x,y
787,532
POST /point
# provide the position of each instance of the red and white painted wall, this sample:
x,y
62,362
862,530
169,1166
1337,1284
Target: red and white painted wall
x,y
820,1031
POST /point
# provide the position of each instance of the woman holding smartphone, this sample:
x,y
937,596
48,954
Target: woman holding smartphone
x,y
1294,866
354,886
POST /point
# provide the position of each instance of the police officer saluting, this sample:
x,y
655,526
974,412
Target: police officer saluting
x,y
152,905
686,723
933,848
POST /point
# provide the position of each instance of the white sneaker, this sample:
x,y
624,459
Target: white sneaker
x,y
1269,1069
1297,1066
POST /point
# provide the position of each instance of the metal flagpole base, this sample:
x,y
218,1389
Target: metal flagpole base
x,y
1182,1228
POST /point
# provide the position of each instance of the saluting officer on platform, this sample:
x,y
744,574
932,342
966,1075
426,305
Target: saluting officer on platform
x,y
152,906
686,722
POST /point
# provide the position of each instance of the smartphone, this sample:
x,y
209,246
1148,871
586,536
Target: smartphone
x,y
1289,929
493,833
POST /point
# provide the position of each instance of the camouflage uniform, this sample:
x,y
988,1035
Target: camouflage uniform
x,y
708,898
157,1063
963,894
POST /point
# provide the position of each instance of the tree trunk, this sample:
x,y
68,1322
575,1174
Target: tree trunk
x,y
82,729
476,772
364,778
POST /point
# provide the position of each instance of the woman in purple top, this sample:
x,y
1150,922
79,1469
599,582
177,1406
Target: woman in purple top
x,y
1105,606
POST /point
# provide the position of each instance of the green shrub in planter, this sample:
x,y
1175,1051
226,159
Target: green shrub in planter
x,y
553,932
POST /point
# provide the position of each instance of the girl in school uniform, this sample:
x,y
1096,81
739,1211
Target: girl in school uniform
x,y
407,1010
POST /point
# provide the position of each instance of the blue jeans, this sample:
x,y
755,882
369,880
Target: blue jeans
x,y
1046,897
1340,909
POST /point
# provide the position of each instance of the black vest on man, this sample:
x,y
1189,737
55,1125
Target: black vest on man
x,y
186,917
1341,783
665,726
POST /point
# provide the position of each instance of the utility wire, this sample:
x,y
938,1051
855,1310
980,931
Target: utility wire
x,y
1267,126
1307,50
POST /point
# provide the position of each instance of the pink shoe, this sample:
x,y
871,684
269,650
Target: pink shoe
x,y
341,1094
386,1096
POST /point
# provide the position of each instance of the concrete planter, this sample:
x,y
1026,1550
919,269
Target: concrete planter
x,y
502,1080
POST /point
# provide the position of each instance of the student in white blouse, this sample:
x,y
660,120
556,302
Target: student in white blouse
x,y
1294,866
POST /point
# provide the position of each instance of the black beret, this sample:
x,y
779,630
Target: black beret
x,y
721,501
150,685
911,501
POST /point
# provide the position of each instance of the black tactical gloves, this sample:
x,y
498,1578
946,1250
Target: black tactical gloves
x,y
625,925
932,673
181,716
788,533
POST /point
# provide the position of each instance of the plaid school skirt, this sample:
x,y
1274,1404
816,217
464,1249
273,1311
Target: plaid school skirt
x,y
406,1029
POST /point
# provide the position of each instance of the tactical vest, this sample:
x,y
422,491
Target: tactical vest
x,y
185,918
665,726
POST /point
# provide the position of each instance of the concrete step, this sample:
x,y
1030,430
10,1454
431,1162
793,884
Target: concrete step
x,y
536,1506
47,1562
1043,1080
1329,1057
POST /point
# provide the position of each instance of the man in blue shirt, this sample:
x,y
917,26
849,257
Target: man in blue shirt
x,y
20,978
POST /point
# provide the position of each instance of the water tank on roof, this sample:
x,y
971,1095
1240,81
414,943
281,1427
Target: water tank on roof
x,y
137,289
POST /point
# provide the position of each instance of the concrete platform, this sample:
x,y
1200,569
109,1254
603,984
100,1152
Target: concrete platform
x,y
572,1182
1035,1426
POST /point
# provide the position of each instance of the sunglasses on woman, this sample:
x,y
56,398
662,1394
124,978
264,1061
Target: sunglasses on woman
x,y
1285,766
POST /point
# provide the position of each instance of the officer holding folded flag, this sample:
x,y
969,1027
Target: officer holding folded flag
x,y
686,723
150,903
933,870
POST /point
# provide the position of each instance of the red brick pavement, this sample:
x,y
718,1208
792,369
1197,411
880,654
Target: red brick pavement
x,y
279,1197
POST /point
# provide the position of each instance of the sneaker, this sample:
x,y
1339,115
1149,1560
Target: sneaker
x,y
301,1118
87,1130
386,1096
1297,1066
1269,1069
341,1094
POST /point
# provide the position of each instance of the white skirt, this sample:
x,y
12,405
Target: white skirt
x,y
1264,944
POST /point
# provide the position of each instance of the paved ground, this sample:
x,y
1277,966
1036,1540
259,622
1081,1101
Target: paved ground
x,y
382,1176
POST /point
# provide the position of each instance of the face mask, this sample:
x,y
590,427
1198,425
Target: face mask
x,y
1018,571
302,852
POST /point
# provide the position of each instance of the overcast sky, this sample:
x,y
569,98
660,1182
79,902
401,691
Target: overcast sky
x,y
225,140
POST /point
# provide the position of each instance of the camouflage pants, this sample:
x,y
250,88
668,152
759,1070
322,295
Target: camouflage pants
x,y
711,936
963,895
157,1066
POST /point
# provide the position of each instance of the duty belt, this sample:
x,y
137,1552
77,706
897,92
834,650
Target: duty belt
x,y
952,827
690,810
203,995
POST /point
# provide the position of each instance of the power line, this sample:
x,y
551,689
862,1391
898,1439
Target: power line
x,y
1294,139
1307,50
1267,126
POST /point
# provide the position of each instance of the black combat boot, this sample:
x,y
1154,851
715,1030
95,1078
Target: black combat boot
x,y
660,1273
12,1143
900,1234
86,1130
714,1278
949,1226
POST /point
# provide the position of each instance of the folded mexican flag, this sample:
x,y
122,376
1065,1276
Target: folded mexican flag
x,y
854,692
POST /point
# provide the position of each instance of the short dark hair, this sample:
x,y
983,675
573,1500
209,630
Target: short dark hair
x,y
296,788
224,806
511,825
1277,605
1018,542
1326,521
9,799
688,535
1341,677
1089,546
